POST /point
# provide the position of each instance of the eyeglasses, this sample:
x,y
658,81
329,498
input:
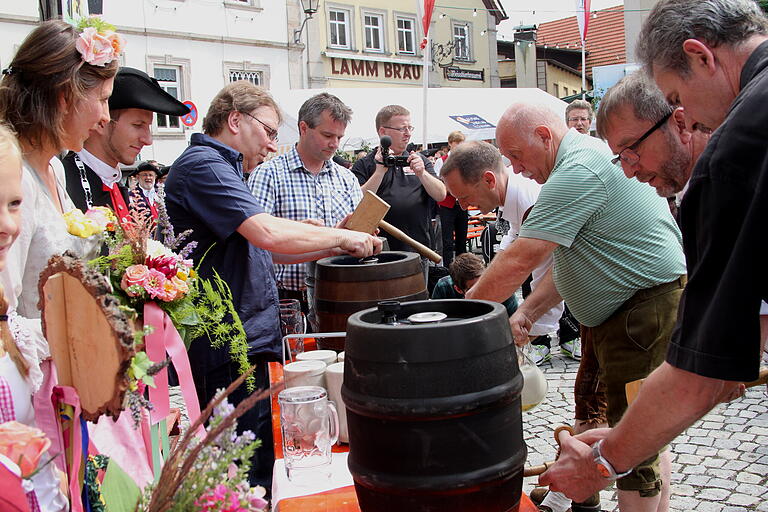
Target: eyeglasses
x,y
578,119
404,129
271,132
629,154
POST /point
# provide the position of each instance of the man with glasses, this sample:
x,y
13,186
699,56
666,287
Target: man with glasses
x,y
649,137
618,264
235,236
305,183
410,191
578,115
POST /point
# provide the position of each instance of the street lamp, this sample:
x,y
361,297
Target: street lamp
x,y
309,7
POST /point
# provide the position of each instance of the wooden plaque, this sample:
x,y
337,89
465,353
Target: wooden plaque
x,y
91,339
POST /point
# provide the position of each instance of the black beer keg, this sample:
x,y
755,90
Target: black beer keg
x,y
432,391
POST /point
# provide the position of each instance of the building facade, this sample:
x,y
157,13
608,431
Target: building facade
x,y
192,47
368,43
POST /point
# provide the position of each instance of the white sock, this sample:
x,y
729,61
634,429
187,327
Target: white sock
x,y
557,501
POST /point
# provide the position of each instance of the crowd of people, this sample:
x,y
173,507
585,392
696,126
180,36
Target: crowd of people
x,y
675,300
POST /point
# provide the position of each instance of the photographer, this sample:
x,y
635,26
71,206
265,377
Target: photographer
x,y
407,182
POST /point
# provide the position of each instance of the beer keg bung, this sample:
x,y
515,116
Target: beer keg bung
x,y
433,407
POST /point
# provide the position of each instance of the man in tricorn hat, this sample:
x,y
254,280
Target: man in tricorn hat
x,y
145,193
93,175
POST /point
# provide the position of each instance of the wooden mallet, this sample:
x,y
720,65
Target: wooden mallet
x,y
369,215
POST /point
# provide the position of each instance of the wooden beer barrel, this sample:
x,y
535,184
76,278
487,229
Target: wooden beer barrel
x,y
344,285
433,409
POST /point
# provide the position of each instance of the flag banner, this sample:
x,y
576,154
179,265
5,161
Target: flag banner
x,y
582,16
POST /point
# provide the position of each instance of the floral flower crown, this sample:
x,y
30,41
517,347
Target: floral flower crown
x,y
98,43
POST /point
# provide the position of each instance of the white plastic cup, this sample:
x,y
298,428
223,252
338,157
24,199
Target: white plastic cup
x,y
334,377
340,357
326,356
304,373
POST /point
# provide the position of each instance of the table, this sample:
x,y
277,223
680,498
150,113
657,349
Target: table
x,y
335,499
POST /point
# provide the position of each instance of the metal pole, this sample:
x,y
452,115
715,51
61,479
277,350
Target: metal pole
x,y
427,57
583,71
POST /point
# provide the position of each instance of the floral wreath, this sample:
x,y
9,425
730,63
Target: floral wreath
x,y
98,43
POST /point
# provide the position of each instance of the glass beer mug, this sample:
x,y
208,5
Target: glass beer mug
x,y
310,426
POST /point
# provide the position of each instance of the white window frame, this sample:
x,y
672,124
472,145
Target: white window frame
x,y
348,32
414,33
381,16
183,69
467,37
254,5
263,70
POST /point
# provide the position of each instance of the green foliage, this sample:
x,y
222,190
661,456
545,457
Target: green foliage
x,y
220,323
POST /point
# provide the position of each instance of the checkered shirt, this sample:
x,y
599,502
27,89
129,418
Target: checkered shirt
x,y
285,188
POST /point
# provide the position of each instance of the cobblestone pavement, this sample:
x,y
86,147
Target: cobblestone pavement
x,y
719,464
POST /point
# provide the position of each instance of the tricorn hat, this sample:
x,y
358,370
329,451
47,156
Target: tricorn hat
x,y
136,89
146,166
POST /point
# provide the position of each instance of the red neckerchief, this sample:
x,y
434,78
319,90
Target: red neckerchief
x,y
118,202
152,208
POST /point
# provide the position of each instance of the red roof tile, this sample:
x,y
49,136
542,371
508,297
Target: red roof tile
x,y
605,37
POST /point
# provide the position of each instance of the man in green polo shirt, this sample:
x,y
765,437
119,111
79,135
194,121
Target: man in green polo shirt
x,y
618,263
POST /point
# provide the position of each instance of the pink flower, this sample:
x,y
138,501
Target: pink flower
x,y
22,444
95,49
134,275
165,264
118,43
180,285
155,284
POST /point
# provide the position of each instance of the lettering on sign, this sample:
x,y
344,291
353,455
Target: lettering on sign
x,y
367,68
454,73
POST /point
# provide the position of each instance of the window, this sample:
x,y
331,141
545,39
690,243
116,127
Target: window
x,y
373,25
257,74
168,78
461,41
406,35
338,21
255,77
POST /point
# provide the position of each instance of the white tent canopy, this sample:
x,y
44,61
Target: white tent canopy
x,y
468,104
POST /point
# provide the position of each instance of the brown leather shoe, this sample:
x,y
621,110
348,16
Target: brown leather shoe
x,y
591,504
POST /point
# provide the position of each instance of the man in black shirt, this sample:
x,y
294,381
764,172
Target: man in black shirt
x,y
411,190
711,56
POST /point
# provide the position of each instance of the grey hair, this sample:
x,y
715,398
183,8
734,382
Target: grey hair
x,y
580,104
472,159
714,22
638,92
314,107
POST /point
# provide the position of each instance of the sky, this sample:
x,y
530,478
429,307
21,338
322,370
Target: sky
x,y
533,12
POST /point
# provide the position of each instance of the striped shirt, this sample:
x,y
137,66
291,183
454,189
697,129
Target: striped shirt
x,y
616,235
285,188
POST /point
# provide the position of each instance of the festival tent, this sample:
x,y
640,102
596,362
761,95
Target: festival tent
x,y
473,111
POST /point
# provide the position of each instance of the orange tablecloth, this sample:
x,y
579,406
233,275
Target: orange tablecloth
x,y
342,499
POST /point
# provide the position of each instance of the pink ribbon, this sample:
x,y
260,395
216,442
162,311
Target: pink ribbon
x,y
165,338
66,395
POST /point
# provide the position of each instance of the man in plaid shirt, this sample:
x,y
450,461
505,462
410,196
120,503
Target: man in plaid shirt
x,y
306,184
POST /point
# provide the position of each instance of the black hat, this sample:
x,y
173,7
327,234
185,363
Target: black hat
x,y
136,89
146,166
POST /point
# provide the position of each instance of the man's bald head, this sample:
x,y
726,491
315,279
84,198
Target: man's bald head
x,y
529,135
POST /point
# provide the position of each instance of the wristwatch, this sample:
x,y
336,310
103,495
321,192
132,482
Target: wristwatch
x,y
603,466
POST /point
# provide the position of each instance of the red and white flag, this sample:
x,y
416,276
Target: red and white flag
x,y
425,11
582,16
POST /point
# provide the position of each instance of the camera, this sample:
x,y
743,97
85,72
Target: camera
x,y
391,160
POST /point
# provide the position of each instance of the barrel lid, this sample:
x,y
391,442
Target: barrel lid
x,y
470,328
390,265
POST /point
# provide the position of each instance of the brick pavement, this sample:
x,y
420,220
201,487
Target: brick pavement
x,y
720,464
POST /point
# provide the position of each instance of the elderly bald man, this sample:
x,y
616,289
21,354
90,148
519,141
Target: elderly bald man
x,y
618,263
